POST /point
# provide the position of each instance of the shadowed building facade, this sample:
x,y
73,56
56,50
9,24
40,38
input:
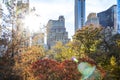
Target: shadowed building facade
x,y
79,14
108,18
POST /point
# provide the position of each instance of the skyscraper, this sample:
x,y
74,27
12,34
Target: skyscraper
x,y
79,13
92,19
56,31
118,12
108,18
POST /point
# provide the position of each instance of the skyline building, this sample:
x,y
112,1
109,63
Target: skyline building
x,y
56,31
118,13
108,18
79,13
92,19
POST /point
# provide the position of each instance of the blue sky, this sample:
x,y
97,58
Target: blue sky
x,y
51,9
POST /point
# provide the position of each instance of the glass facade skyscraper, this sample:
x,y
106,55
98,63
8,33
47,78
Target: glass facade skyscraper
x,y
108,18
79,14
118,13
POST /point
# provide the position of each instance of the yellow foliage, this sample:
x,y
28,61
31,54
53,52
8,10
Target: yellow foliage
x,y
24,61
113,61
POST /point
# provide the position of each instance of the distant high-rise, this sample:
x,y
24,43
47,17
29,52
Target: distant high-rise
x,y
92,19
108,18
56,31
79,13
118,12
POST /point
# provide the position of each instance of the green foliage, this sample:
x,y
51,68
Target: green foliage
x,y
104,50
6,69
113,61
87,42
89,37
62,52
112,70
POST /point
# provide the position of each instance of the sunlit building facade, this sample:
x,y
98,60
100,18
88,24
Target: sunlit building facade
x,y
79,14
118,12
56,31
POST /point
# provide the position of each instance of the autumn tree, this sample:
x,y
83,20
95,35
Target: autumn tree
x,y
103,48
23,62
61,52
6,40
48,69
12,41
89,37
111,58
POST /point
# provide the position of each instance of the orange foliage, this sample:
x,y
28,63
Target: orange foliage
x,y
48,69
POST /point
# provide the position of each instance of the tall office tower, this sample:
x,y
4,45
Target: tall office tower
x,y
56,31
118,13
92,19
79,13
108,18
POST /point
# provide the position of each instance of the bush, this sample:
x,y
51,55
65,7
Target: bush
x,y
48,69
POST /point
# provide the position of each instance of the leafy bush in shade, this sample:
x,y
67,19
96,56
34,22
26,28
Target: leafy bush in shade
x,y
99,73
45,69
93,63
48,69
72,72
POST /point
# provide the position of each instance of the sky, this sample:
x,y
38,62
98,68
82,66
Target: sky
x,y
52,9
